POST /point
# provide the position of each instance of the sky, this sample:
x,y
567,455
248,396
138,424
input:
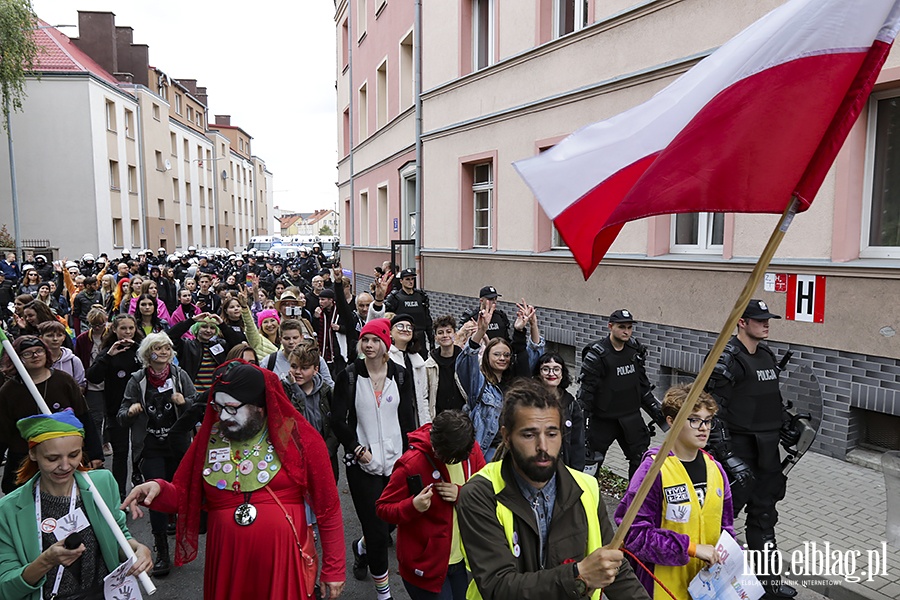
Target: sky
x,y
270,65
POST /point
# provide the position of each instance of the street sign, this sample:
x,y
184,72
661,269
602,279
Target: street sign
x,y
805,298
396,224
775,282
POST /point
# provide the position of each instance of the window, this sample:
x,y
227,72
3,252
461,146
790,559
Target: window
x,y
173,143
155,111
110,115
132,180
881,203
364,218
482,192
114,174
241,144
556,242
482,33
345,44
363,112
209,197
384,217
202,195
190,235
569,16
178,235
135,233
361,17
160,165
190,113
698,232
176,191
117,233
161,207
129,124
177,104
186,146
407,76
187,193
381,78
345,132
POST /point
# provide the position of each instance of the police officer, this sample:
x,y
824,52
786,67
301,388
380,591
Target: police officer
x,y
499,325
412,301
745,384
614,387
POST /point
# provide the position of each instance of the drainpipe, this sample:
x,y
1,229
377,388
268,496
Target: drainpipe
x,y
417,90
139,125
351,92
215,178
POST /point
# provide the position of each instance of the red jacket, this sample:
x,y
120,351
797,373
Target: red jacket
x,y
423,539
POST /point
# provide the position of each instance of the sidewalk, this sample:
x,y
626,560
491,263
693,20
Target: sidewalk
x,y
833,501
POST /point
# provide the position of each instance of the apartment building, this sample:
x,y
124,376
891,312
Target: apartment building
x,y
376,128
503,81
135,162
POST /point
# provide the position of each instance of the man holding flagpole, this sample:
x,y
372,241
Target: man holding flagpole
x,y
745,384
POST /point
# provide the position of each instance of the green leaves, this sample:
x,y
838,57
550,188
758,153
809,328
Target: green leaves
x,y
18,50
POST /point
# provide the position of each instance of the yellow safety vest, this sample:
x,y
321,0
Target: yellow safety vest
x,y
590,500
682,513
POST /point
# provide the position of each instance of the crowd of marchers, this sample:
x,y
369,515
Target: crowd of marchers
x,y
222,391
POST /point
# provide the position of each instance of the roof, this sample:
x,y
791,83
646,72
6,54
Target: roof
x,y
58,54
288,220
318,215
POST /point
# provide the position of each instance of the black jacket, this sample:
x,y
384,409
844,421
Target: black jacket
x,y
190,352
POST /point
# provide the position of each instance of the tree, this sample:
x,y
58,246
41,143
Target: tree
x,y
18,51
325,230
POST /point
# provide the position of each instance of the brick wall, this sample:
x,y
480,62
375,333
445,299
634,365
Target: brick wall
x,y
846,381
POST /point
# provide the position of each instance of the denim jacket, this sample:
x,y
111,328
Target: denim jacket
x,y
485,399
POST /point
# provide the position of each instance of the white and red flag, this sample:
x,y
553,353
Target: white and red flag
x,y
759,120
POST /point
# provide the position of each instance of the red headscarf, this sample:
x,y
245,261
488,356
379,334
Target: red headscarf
x,y
298,445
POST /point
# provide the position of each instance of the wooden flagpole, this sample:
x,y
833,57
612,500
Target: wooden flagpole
x,y
755,277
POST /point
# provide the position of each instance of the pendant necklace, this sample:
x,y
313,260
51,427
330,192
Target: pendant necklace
x,y
245,513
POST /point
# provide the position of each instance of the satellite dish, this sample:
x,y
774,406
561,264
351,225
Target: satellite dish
x,y
168,165
224,174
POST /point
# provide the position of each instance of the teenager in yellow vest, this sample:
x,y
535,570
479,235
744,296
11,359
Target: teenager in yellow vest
x,y
677,527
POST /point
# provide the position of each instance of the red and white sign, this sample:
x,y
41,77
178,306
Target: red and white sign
x,y
805,298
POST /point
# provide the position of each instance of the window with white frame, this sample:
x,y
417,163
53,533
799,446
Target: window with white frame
x,y
881,200
482,33
701,233
569,16
482,201
557,242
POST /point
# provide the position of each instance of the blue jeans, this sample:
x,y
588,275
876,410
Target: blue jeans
x,y
454,587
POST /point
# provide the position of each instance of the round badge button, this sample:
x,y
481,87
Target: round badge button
x,y
48,525
221,484
207,472
217,467
263,477
227,468
246,467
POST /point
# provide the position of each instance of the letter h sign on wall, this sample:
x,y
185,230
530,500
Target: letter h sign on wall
x,y
805,298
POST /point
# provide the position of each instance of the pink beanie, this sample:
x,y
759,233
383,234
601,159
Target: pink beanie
x,y
269,313
380,328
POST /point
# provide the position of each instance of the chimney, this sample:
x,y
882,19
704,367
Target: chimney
x,y
132,58
223,120
202,96
97,38
190,85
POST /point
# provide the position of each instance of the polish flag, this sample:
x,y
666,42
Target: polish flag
x,y
759,120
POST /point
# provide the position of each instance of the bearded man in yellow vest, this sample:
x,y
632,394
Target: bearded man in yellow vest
x,y
677,527
531,527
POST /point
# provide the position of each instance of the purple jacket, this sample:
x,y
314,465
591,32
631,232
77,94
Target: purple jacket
x,y
645,539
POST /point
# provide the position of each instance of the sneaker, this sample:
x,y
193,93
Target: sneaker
x,y
360,562
107,449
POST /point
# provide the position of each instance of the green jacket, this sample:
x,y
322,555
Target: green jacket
x,y
19,537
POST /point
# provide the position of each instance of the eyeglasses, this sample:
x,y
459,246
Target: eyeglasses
x,y
403,327
231,410
696,423
500,354
33,353
545,370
